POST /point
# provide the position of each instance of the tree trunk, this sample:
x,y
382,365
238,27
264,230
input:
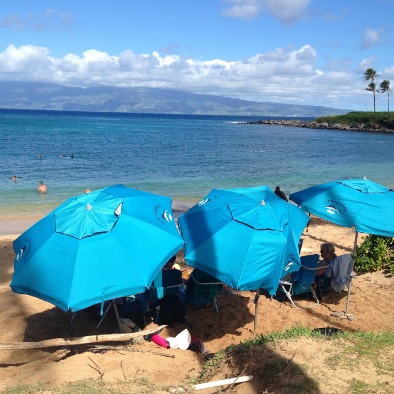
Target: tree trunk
x,y
374,102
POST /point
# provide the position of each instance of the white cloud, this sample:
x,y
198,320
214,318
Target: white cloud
x,y
26,60
287,75
12,22
371,37
286,11
365,63
388,73
50,19
243,9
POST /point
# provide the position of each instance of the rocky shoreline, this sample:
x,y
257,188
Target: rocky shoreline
x,y
324,125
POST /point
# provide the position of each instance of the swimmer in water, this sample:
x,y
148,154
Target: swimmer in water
x,y
42,188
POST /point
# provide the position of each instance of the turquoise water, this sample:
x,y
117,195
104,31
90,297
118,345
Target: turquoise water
x,y
180,156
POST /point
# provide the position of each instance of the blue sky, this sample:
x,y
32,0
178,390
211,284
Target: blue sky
x,y
311,52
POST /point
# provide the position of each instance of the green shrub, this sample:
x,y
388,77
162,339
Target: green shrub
x,y
375,253
368,119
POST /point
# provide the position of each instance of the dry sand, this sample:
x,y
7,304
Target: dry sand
x,y
24,318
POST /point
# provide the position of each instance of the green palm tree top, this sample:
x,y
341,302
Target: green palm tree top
x,y
370,73
385,86
371,87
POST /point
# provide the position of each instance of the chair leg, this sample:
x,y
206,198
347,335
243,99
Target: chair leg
x,y
313,291
288,294
215,305
105,314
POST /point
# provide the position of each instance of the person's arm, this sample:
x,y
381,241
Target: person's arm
x,y
322,266
329,271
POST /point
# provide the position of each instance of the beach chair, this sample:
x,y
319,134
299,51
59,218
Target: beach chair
x,y
301,281
202,289
166,297
337,276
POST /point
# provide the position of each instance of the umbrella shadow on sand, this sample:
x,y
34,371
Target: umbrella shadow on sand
x,y
51,324
206,324
330,298
55,323
272,373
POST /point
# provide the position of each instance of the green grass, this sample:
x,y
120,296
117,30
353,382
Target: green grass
x,y
19,389
371,347
354,119
360,387
212,366
135,386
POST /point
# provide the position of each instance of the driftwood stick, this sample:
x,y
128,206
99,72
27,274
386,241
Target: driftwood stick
x,y
96,368
61,342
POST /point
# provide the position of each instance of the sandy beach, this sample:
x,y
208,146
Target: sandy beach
x,y
25,318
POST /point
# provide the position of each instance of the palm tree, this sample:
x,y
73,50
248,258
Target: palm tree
x,y
385,87
372,88
370,74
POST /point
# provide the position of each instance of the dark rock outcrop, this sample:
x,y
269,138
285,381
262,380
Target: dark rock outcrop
x,y
325,125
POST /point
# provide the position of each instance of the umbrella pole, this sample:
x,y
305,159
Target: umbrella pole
x,y
256,305
117,315
351,277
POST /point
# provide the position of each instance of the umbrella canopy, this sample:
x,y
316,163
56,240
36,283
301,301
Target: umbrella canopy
x,y
244,237
96,247
359,203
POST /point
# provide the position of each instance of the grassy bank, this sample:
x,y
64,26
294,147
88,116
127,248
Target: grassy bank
x,y
296,361
304,361
361,120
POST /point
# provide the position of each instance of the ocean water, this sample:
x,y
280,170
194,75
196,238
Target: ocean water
x,y
175,155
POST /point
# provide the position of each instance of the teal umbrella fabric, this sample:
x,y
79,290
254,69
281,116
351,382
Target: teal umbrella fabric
x,y
244,237
96,247
359,203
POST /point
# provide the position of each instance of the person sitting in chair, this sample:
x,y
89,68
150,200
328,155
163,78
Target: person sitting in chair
x,y
335,271
327,253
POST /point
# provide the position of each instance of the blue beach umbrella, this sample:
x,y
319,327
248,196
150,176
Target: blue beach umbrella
x,y
360,203
244,237
96,247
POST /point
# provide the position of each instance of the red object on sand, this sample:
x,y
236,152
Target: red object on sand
x,y
161,341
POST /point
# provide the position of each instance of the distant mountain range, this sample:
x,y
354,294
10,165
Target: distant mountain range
x,y
47,96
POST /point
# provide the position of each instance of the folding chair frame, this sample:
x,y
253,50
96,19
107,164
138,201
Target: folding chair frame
x,y
214,301
288,293
104,315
